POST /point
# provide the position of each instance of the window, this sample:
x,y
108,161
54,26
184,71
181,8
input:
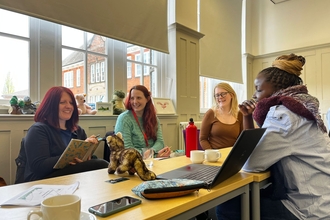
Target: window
x,y
78,77
87,50
129,67
143,59
68,79
102,71
91,63
93,73
15,47
98,74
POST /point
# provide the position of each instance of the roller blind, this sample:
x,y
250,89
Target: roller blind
x,y
220,48
140,22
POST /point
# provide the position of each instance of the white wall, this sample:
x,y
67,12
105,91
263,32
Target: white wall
x,y
288,25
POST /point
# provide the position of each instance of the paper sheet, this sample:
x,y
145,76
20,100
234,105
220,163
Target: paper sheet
x,y
36,194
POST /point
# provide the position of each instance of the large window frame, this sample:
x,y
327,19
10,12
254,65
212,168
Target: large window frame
x,y
45,49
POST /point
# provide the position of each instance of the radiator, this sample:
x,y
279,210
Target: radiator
x,y
182,126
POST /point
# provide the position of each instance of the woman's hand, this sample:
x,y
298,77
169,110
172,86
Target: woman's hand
x,y
247,107
165,152
75,161
92,139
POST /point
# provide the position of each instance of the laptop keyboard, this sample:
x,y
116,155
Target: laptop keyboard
x,y
206,174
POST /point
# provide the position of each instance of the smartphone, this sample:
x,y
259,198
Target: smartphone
x,y
114,206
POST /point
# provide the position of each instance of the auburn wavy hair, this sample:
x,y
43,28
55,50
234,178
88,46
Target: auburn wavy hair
x,y
149,117
48,111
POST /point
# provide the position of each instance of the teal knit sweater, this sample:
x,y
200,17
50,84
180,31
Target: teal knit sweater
x,y
132,134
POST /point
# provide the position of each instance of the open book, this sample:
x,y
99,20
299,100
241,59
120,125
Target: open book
x,y
76,148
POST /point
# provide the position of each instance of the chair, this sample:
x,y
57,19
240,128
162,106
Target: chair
x,y
106,152
199,147
20,163
2,182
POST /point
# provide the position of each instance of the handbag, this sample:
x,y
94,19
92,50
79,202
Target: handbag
x,y
160,189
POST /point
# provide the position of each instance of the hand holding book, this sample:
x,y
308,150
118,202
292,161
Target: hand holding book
x,y
78,151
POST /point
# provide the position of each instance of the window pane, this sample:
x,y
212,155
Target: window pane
x,y
72,37
73,63
15,76
18,25
96,86
77,57
98,45
141,67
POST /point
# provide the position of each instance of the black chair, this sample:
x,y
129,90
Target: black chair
x,y
106,152
20,163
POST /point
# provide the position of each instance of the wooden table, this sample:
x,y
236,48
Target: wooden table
x,y
94,190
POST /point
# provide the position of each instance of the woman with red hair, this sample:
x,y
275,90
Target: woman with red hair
x,y
56,123
139,124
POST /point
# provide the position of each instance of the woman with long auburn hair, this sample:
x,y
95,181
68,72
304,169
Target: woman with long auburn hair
x,y
139,124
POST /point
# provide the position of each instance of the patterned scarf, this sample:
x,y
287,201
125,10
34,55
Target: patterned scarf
x,y
297,100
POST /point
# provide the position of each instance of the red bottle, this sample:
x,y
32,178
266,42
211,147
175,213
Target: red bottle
x,y
191,137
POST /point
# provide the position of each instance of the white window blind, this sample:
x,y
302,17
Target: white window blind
x,y
220,48
140,22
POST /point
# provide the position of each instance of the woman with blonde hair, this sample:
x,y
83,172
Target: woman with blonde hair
x,y
222,124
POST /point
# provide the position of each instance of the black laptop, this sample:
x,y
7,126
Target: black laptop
x,y
213,175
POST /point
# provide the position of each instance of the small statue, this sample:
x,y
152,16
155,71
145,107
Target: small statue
x,y
118,103
29,107
15,106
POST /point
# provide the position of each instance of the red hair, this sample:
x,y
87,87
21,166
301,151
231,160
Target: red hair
x,y
149,117
48,112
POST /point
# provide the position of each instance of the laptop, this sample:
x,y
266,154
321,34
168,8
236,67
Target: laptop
x,y
213,175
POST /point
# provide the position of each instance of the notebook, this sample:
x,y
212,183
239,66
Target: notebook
x,y
76,148
213,175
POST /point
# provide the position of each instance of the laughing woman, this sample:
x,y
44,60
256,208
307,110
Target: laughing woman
x,y
222,124
139,124
56,123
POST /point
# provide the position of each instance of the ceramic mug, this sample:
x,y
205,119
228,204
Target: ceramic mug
x,y
58,208
197,156
212,155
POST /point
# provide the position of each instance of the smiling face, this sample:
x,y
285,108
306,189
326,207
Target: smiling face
x,y
65,109
138,101
263,88
222,98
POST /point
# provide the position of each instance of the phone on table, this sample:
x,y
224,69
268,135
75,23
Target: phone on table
x,y
114,206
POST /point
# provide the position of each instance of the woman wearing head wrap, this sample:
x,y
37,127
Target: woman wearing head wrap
x,y
294,146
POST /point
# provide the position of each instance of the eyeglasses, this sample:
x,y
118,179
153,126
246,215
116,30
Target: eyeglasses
x,y
222,95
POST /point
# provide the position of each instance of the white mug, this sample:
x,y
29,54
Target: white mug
x,y
212,155
197,156
58,208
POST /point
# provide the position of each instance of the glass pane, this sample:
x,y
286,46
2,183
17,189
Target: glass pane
x,y
141,62
14,68
96,78
98,44
73,70
153,81
18,25
129,70
72,37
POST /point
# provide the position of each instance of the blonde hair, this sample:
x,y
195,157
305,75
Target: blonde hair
x,y
234,101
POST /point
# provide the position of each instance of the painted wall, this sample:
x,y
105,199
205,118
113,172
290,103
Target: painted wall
x,y
288,25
